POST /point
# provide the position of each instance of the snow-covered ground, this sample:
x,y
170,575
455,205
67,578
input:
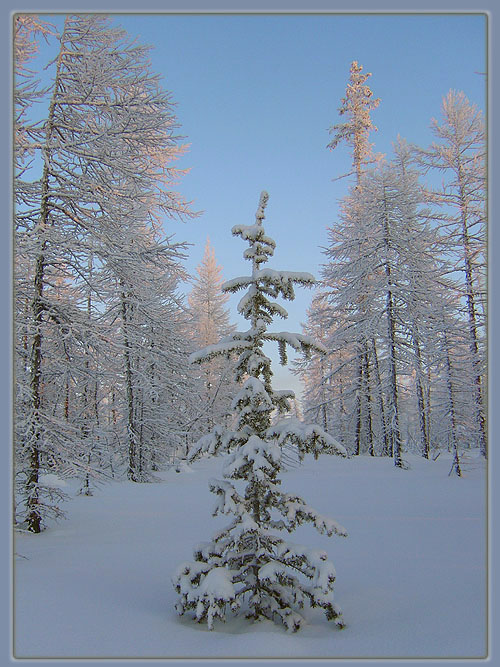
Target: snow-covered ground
x,y
411,575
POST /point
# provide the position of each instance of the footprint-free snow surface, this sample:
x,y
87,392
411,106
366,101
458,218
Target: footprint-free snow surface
x,y
411,575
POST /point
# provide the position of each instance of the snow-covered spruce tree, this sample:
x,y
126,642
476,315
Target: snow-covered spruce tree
x,y
247,566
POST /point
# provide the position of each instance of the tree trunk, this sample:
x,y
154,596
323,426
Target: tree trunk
x,y
324,411
380,401
451,408
391,337
343,412
474,349
369,425
471,311
132,453
422,416
428,407
359,385
33,520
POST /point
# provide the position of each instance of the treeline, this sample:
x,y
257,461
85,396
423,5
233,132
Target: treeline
x,y
103,333
402,302
103,384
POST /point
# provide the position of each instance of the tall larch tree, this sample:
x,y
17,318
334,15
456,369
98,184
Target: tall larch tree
x,y
106,148
459,154
248,565
356,107
27,30
397,277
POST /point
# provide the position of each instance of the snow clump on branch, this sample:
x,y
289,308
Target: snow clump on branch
x,y
247,566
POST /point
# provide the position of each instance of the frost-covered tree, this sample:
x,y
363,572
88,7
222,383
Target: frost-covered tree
x,y
27,31
315,370
449,421
353,307
384,276
208,303
151,352
329,379
459,154
101,167
357,106
26,93
209,318
248,565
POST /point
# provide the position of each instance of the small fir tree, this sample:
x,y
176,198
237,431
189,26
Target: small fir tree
x,y
247,565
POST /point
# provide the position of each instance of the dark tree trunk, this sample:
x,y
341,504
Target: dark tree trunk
x,y
34,518
380,402
422,410
471,311
391,337
451,409
369,425
359,386
132,472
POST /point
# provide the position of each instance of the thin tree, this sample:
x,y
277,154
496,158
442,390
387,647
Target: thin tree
x,y
357,106
459,154
247,563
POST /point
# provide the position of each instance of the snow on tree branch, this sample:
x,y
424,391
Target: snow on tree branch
x,y
246,563
308,438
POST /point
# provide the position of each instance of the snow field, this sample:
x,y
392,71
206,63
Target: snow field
x,y
411,575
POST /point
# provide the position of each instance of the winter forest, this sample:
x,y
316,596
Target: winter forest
x,y
147,416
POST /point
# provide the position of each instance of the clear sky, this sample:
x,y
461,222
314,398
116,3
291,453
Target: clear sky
x,y
256,94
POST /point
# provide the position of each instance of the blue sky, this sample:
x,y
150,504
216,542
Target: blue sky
x,y
256,94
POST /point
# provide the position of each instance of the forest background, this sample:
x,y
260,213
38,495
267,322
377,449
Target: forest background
x,y
226,75
284,192
249,91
